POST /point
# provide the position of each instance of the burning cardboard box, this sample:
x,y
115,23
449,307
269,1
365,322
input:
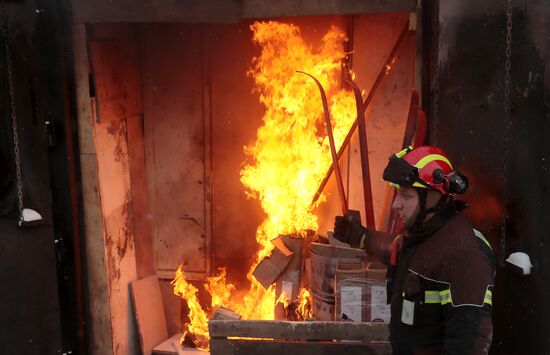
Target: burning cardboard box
x,y
269,269
284,268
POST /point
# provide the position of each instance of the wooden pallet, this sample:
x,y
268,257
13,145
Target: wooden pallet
x,y
283,337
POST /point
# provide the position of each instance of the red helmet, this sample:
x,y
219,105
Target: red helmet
x,y
425,167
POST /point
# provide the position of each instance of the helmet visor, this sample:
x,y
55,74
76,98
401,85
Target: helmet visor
x,y
400,172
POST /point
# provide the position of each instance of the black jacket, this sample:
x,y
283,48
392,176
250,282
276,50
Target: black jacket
x,y
441,288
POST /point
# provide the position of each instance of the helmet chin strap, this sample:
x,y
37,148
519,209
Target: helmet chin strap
x,y
422,210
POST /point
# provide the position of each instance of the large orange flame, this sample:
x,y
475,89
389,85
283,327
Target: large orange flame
x,y
291,153
289,158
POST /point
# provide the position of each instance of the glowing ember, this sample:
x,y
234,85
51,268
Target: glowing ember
x,y
288,160
389,66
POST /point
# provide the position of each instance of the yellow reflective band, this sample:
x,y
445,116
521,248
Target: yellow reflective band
x,y
431,297
484,240
482,237
404,152
362,243
445,297
488,297
432,157
442,297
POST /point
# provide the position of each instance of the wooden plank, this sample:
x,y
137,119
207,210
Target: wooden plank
x,y
172,346
99,325
253,347
263,9
149,312
207,121
145,258
155,11
118,97
117,78
219,11
175,138
118,234
299,330
225,313
82,89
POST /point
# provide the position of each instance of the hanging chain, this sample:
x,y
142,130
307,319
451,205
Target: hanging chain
x,y
507,126
4,17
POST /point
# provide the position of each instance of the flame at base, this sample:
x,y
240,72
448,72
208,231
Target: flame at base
x,y
198,321
305,305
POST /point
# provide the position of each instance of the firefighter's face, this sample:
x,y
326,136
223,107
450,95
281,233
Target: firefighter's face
x,y
406,204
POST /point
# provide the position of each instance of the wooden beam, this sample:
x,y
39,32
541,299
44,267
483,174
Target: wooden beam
x,y
298,330
207,131
149,313
223,11
99,333
250,347
283,8
190,11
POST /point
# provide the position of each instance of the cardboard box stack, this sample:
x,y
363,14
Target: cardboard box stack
x,y
360,293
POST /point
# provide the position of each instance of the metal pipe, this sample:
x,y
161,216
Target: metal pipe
x,y
335,166
410,129
363,148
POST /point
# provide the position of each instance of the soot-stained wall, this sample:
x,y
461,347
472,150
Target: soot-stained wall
x,y
505,156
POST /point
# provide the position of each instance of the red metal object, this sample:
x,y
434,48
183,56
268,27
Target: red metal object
x,y
335,166
410,130
421,129
363,147
381,75
394,250
412,119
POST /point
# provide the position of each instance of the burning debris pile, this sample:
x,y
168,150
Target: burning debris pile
x,y
284,167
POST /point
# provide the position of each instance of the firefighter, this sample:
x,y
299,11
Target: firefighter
x,y
440,269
